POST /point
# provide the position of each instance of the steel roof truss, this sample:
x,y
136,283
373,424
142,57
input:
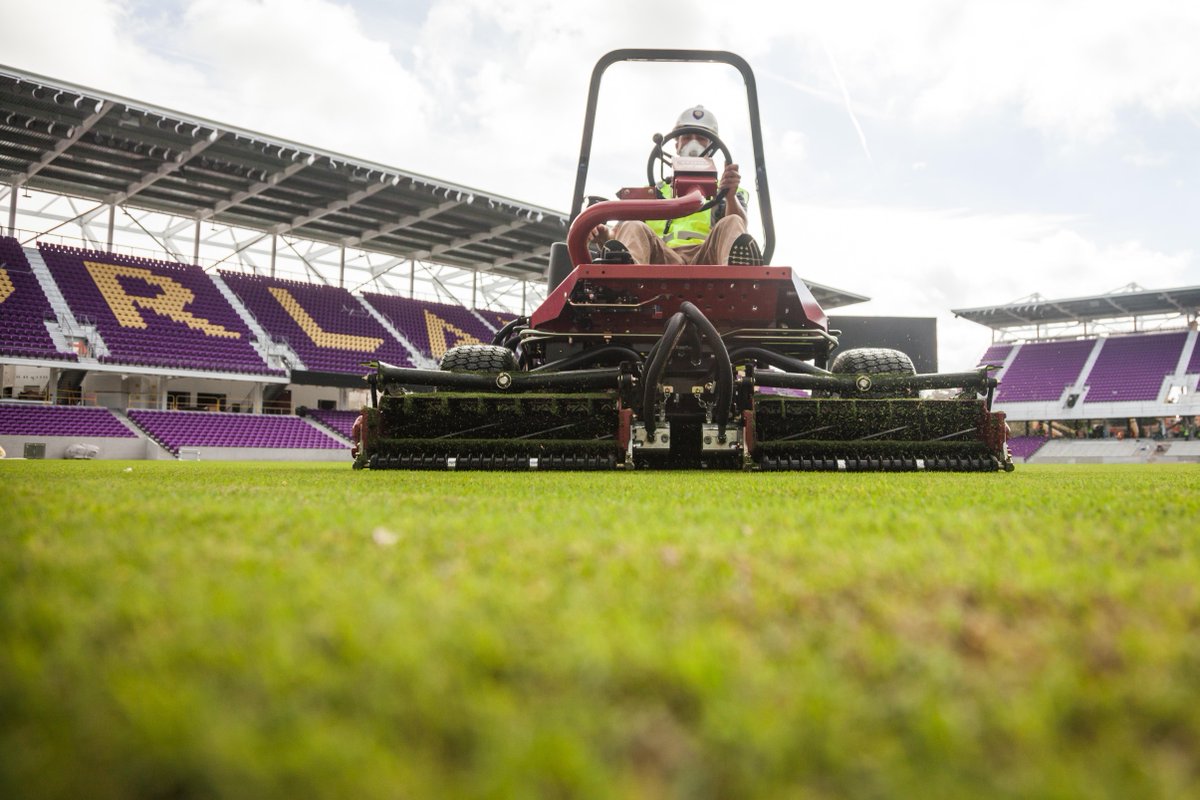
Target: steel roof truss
x,y
254,189
64,143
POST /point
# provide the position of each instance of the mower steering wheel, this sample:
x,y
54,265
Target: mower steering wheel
x,y
664,160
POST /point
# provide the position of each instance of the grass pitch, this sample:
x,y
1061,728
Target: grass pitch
x,y
194,630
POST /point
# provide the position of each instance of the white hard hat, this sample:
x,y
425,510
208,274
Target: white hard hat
x,y
698,116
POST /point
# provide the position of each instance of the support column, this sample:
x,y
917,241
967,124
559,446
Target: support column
x,y
524,284
196,244
256,399
162,393
342,268
475,289
12,209
412,277
112,220
53,386
343,398
274,240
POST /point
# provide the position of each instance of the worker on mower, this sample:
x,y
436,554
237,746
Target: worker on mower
x,y
715,236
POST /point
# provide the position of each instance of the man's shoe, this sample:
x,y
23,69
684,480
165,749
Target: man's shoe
x,y
615,252
744,252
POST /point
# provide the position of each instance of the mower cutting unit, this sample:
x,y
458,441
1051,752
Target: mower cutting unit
x,y
634,365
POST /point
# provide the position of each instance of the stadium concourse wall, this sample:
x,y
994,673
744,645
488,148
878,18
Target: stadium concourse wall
x,y
1116,451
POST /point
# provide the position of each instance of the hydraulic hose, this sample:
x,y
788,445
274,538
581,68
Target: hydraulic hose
x,y
658,365
590,357
786,363
502,335
724,365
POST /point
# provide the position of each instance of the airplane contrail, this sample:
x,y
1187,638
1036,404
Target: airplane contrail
x,y
846,98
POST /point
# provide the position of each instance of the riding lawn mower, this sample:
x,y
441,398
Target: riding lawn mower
x,y
630,366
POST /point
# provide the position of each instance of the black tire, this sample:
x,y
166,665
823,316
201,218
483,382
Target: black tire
x,y
875,361
479,358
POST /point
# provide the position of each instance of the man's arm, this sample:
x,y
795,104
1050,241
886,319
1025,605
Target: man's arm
x,y
731,179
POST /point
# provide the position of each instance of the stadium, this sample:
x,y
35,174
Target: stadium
x,y
202,599
143,351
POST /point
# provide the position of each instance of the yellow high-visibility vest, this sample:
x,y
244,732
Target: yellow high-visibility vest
x,y
691,229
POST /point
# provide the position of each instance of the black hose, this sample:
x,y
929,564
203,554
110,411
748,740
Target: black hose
x,y
786,363
658,365
503,334
724,365
589,357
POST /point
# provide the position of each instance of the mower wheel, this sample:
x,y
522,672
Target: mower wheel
x,y
479,358
875,361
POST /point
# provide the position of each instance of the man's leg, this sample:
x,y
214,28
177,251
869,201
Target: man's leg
x,y
724,235
643,244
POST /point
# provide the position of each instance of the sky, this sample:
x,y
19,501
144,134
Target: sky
x,y
929,154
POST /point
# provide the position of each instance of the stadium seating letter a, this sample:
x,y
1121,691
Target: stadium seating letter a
x,y
169,303
6,285
436,328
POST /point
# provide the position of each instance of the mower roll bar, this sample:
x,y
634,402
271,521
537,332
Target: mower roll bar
x,y
624,209
704,56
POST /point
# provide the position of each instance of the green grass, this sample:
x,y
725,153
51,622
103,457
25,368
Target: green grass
x,y
192,630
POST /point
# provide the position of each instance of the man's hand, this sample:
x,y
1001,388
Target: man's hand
x,y
731,179
599,235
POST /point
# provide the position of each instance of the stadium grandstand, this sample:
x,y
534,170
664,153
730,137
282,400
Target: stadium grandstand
x,y
1109,378
174,287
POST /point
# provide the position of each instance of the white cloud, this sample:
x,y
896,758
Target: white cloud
x,y
914,262
89,42
307,70
1067,68
1144,160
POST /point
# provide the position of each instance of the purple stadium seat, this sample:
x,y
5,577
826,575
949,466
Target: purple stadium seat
x,y
497,319
1041,370
340,422
996,354
176,429
433,328
154,313
19,419
23,308
1133,367
1023,447
326,326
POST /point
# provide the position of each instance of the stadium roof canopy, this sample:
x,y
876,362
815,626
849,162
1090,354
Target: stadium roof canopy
x,y
1125,303
73,140
76,141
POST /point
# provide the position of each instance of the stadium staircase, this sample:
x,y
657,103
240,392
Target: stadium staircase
x,y
418,358
68,326
272,352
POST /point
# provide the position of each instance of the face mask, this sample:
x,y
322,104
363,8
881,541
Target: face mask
x,y
693,149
